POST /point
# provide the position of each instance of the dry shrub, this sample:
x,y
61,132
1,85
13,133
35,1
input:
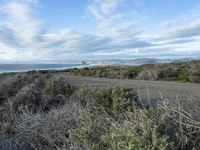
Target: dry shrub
x,y
29,96
94,118
12,84
45,131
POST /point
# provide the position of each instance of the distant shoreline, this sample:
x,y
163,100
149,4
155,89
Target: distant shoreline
x,y
41,69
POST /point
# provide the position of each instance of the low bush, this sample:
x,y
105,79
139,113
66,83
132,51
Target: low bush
x,y
137,134
49,131
159,129
58,86
29,96
115,99
89,129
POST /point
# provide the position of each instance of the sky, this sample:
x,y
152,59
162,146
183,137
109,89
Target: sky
x,y
60,31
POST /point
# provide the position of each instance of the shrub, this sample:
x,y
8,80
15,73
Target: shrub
x,y
115,99
83,96
30,97
139,134
58,86
89,129
14,83
183,75
133,72
195,76
45,131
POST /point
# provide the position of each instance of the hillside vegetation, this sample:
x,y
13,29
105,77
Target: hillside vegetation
x,y
43,111
184,71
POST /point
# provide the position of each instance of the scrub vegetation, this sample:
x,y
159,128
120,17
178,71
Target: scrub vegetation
x,y
183,71
43,111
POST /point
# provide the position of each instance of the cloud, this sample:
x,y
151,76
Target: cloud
x,y
115,18
25,38
21,24
8,36
183,26
179,38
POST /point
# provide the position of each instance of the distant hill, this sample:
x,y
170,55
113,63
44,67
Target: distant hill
x,y
136,62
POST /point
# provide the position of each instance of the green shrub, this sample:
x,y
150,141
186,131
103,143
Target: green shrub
x,y
138,134
115,99
98,130
168,74
82,96
123,98
89,129
183,75
133,72
58,86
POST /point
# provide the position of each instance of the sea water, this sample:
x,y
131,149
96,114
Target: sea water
x,y
30,67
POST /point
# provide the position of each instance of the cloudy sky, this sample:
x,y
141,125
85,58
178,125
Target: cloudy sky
x,y
57,31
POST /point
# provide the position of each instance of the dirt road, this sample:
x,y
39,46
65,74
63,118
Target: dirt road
x,y
150,90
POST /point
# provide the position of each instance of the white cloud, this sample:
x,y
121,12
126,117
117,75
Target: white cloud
x,y
115,18
183,26
24,37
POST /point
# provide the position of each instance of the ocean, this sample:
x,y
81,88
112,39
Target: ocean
x,y
30,67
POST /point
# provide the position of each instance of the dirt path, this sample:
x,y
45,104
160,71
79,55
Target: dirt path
x,y
146,89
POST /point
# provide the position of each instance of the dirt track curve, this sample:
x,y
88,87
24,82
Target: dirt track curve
x,y
151,90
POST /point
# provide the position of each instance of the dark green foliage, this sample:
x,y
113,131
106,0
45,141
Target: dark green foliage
x,y
133,72
167,74
180,74
183,75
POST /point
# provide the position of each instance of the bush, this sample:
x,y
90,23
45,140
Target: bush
x,y
138,134
183,75
195,77
30,97
58,86
14,83
116,99
89,129
133,72
45,131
